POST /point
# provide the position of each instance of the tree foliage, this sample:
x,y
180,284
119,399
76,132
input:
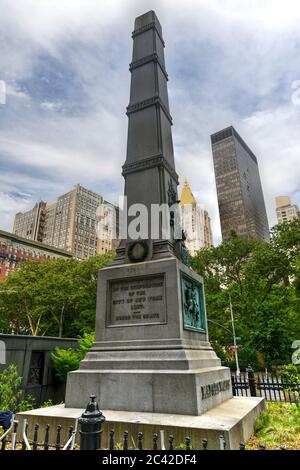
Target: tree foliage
x,y
263,281
55,298
12,396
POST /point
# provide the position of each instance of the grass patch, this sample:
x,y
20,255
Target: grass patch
x,y
279,426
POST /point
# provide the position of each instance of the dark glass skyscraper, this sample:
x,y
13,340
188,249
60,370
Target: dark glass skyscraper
x,y
240,197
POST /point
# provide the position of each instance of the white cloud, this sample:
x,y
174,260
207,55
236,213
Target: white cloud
x,y
65,63
8,206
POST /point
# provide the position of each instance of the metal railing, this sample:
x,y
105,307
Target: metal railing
x,y
90,430
272,387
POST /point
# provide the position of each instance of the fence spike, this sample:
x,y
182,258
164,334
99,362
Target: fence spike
x,y
222,442
233,383
46,442
187,443
35,437
204,444
125,442
140,441
242,446
262,447
111,439
57,444
155,438
171,442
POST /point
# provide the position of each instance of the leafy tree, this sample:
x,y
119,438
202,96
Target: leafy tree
x,y
262,281
57,297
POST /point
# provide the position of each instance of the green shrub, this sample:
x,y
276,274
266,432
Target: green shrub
x,y
47,403
12,397
86,342
66,360
292,374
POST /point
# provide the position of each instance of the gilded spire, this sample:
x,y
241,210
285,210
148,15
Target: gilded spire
x,y
187,196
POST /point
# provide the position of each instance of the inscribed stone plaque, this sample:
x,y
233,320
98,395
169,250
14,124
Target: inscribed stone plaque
x,y
137,301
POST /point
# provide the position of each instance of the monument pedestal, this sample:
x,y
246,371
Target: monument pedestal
x,y
233,419
151,352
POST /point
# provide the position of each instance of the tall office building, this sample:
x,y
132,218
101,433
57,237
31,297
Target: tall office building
x,y
286,210
208,237
69,223
107,217
195,221
30,224
240,196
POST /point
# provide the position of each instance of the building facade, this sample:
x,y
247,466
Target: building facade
x,y
15,250
195,222
69,223
286,210
30,224
107,227
208,236
240,196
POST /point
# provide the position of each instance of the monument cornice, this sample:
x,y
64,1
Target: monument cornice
x,y
145,60
153,101
145,28
149,162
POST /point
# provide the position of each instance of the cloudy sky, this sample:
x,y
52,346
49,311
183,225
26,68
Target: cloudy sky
x,y
65,64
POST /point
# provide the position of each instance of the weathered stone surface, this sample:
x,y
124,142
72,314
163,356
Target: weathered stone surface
x,y
234,419
169,325
141,365
155,391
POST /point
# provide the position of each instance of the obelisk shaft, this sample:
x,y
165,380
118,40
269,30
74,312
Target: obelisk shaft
x,y
149,170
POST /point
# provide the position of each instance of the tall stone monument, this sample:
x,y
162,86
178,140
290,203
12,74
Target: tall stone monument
x,y
151,352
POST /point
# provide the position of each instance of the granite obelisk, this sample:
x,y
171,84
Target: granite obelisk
x,y
151,351
149,169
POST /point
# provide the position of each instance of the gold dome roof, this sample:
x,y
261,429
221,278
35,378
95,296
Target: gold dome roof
x,y
187,196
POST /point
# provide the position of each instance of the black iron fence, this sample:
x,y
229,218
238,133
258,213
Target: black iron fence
x,y
40,439
90,429
272,387
90,441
